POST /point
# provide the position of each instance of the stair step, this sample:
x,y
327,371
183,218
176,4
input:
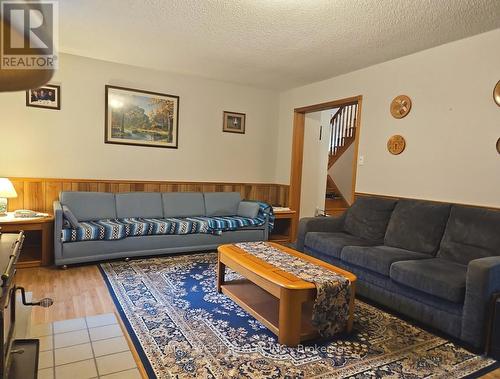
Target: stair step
x,y
335,211
336,197
335,203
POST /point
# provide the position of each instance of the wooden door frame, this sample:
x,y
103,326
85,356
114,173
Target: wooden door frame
x,y
299,116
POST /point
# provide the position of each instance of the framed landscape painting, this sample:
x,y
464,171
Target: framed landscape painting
x,y
142,118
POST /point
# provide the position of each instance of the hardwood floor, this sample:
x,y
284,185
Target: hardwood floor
x,y
79,292
492,375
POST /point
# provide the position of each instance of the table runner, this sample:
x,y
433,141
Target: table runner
x,y
331,307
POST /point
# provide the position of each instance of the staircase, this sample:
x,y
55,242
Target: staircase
x,y
343,124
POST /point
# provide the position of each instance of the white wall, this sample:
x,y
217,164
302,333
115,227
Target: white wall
x,y
315,162
70,143
451,131
342,173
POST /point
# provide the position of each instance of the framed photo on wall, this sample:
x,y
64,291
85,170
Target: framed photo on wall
x,y
234,122
141,118
47,96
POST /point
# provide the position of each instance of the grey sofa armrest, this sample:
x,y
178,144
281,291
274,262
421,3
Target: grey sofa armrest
x,y
483,280
58,224
266,229
317,224
248,209
251,209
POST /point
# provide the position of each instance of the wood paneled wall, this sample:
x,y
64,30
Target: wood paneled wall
x,y
39,193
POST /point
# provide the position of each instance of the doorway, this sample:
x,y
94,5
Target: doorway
x,y
344,131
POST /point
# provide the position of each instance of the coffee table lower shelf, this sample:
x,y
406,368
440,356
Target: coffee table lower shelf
x,y
265,307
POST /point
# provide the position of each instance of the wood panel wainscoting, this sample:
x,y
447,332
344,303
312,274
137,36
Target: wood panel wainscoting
x,y
38,194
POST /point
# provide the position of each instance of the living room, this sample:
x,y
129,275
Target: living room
x,y
166,175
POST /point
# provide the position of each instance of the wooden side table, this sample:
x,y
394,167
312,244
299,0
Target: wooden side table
x,y
38,244
283,226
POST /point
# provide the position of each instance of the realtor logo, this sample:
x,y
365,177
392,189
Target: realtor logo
x,y
29,35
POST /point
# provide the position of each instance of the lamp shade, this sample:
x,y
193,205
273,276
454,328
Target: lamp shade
x,y
7,190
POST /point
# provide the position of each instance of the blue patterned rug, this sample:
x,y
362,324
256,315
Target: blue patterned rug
x,y
183,328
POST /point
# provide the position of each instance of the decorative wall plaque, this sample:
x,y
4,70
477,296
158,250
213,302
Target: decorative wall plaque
x,y
400,106
396,144
496,93
498,146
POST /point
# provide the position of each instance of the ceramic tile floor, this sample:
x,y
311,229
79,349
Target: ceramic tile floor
x,y
84,348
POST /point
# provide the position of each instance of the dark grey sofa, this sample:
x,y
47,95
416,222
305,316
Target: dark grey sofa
x,y
436,263
88,206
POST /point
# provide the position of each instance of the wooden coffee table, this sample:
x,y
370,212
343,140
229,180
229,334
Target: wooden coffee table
x,y
278,299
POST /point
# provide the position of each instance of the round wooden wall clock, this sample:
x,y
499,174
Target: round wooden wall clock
x,y
396,144
400,106
498,146
496,93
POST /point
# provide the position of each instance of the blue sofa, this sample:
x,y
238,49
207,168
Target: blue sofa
x,y
436,263
94,226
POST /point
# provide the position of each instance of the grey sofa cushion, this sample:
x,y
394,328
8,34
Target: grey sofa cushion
x,y
88,251
222,203
471,233
332,243
248,209
139,204
417,225
88,206
368,217
435,276
183,204
378,258
70,217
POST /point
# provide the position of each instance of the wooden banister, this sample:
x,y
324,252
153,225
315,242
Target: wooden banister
x,y
343,124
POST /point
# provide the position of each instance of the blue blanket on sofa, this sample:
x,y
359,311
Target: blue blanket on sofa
x,y
119,228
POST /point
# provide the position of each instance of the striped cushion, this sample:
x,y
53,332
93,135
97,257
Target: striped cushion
x,y
107,229
116,229
137,226
217,225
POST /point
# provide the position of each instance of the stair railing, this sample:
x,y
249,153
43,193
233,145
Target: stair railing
x,y
343,124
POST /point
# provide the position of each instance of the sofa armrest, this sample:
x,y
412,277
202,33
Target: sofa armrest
x,y
248,209
266,228
58,225
483,280
317,224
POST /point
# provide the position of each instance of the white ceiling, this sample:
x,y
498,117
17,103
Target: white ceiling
x,y
275,44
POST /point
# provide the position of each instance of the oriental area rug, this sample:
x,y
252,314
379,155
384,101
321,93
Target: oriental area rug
x,y
183,328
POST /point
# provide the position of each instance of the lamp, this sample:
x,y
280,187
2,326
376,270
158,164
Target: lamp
x,y
7,190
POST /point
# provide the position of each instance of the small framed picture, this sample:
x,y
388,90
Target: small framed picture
x,y
47,96
234,122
